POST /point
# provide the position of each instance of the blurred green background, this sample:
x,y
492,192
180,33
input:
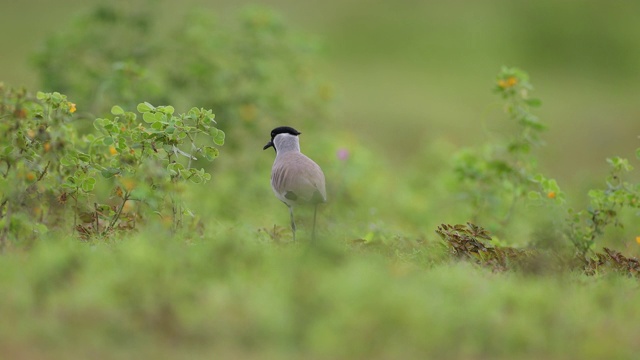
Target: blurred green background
x,y
421,70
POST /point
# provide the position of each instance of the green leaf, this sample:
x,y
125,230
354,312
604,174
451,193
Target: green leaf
x,y
84,157
175,166
210,152
534,195
533,102
107,141
40,95
67,160
122,144
553,185
196,178
218,138
98,124
168,110
145,107
159,116
104,208
148,117
109,173
117,110
88,184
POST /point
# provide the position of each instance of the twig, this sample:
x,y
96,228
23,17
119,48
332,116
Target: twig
x,y
95,207
115,218
44,171
2,205
6,173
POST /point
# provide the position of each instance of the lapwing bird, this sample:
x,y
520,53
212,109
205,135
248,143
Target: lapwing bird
x,y
295,179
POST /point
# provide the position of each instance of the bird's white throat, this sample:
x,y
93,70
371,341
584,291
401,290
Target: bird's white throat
x,y
286,142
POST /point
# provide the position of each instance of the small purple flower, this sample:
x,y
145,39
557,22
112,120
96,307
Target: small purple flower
x,y
343,154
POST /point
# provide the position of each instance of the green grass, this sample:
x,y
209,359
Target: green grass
x,y
157,295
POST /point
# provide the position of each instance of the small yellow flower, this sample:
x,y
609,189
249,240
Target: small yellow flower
x,y
47,146
72,107
112,150
551,194
638,239
508,82
128,183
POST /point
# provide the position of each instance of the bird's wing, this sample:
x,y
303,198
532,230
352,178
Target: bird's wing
x,y
296,178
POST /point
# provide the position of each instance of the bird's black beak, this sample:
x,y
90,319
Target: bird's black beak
x,y
269,144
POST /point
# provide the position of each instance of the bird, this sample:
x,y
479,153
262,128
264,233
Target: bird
x,y
295,178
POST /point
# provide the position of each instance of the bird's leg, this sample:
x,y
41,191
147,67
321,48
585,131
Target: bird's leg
x,y
313,231
293,223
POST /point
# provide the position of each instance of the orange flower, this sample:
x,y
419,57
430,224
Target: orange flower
x,y
551,194
47,146
72,107
112,150
508,82
30,176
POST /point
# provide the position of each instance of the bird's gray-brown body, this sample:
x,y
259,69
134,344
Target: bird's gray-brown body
x,y
295,178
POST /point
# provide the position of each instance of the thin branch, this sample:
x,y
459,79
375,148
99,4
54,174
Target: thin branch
x,y
95,207
4,202
44,171
115,218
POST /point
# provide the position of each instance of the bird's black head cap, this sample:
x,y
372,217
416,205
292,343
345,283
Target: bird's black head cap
x,y
284,130
281,130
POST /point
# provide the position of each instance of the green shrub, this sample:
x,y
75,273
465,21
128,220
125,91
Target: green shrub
x,y
46,168
35,134
605,206
255,73
495,178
